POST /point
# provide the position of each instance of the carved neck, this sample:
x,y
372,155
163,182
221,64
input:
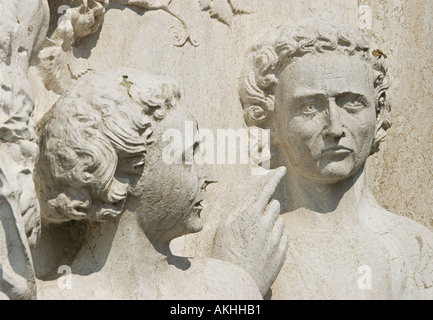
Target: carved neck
x,y
119,245
337,201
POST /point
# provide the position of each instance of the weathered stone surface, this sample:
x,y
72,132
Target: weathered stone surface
x,y
103,159
88,216
323,93
22,29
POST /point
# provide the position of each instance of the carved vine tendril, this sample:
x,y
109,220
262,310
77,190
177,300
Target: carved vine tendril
x,y
180,35
225,10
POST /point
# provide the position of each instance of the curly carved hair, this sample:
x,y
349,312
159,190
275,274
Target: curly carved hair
x,y
268,58
88,133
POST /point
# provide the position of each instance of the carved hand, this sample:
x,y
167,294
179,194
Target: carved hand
x,y
252,236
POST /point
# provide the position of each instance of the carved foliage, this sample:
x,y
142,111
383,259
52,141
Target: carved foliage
x,y
224,10
19,209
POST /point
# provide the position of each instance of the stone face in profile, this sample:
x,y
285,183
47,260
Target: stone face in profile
x,y
323,94
102,161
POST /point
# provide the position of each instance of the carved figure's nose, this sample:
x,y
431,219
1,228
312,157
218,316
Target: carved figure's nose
x,y
334,126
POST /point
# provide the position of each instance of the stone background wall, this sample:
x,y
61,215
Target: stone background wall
x,y
401,173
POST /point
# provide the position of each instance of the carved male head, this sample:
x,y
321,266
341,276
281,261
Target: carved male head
x,y
324,94
101,145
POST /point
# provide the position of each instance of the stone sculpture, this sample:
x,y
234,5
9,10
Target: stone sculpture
x,y
323,94
108,203
23,25
102,160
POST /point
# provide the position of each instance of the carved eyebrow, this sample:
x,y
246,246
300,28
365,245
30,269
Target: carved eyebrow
x,y
350,93
313,96
309,94
354,95
305,94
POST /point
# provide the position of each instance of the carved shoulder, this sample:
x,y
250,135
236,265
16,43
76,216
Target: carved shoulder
x,y
217,279
414,243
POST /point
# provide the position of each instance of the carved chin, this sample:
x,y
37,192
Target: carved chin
x,y
192,224
195,223
339,170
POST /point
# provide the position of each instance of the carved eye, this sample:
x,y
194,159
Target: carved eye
x,y
189,154
355,105
196,147
310,105
310,109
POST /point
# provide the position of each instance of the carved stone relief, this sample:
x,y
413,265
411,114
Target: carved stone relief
x,y
22,28
322,91
102,157
224,10
207,149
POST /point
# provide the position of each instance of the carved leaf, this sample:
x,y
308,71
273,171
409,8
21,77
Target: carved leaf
x,y
241,6
379,54
221,10
224,10
205,4
146,4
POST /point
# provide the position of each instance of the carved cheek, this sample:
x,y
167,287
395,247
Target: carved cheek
x,y
306,129
303,138
361,130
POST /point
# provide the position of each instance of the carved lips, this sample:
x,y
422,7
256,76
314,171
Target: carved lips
x,y
336,151
198,204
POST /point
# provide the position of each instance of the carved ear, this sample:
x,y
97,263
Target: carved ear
x,y
110,203
383,121
117,191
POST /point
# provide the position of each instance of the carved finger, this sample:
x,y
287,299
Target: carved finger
x,y
277,232
278,259
272,212
268,189
282,250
